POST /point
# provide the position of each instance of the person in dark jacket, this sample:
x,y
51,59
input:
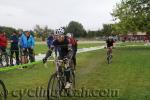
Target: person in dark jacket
x,y
14,48
50,40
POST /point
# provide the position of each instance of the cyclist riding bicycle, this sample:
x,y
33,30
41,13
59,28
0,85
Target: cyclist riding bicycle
x,y
63,46
110,43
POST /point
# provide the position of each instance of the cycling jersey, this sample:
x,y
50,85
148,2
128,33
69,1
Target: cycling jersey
x,y
109,42
62,47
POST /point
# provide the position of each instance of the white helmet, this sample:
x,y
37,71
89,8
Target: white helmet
x,y
69,35
59,31
110,37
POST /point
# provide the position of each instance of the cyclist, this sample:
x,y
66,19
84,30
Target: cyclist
x,y
110,43
64,48
74,44
14,48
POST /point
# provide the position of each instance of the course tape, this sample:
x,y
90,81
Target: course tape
x,y
19,66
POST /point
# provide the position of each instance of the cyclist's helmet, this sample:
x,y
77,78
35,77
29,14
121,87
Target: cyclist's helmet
x,y
110,37
59,31
69,35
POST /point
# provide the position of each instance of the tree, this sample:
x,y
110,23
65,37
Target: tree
x,y
107,29
38,31
42,32
133,15
76,28
7,30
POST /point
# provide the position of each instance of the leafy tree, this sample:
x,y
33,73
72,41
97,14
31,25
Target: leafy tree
x,y
7,30
42,32
107,29
76,28
132,15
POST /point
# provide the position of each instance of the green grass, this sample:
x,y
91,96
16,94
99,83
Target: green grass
x,y
42,48
129,73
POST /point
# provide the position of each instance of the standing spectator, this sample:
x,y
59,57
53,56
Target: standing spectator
x,y
74,44
3,41
27,44
50,40
3,45
14,48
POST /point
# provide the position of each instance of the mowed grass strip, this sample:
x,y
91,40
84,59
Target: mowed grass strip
x,y
129,73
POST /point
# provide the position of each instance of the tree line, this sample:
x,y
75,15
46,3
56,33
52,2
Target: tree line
x,y
73,27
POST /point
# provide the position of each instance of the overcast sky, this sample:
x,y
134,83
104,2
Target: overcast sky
x,y
55,13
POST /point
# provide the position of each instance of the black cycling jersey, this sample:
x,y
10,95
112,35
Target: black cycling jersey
x,y
109,42
62,47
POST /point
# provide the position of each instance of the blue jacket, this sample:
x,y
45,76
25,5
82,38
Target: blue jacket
x,y
50,41
27,43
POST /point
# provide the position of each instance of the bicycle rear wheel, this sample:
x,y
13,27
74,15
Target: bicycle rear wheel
x,y
3,91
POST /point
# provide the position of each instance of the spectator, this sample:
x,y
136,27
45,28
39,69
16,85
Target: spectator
x,y
14,48
3,45
3,42
50,40
74,44
27,44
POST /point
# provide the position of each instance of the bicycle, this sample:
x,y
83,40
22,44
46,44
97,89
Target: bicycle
x,y
3,91
109,55
57,81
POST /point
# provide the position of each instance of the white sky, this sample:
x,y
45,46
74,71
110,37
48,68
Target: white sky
x,y
55,13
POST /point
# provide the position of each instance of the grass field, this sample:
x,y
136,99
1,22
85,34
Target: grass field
x,y
129,73
42,48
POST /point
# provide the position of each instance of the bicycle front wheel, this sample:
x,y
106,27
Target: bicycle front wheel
x,y
54,88
3,91
109,58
